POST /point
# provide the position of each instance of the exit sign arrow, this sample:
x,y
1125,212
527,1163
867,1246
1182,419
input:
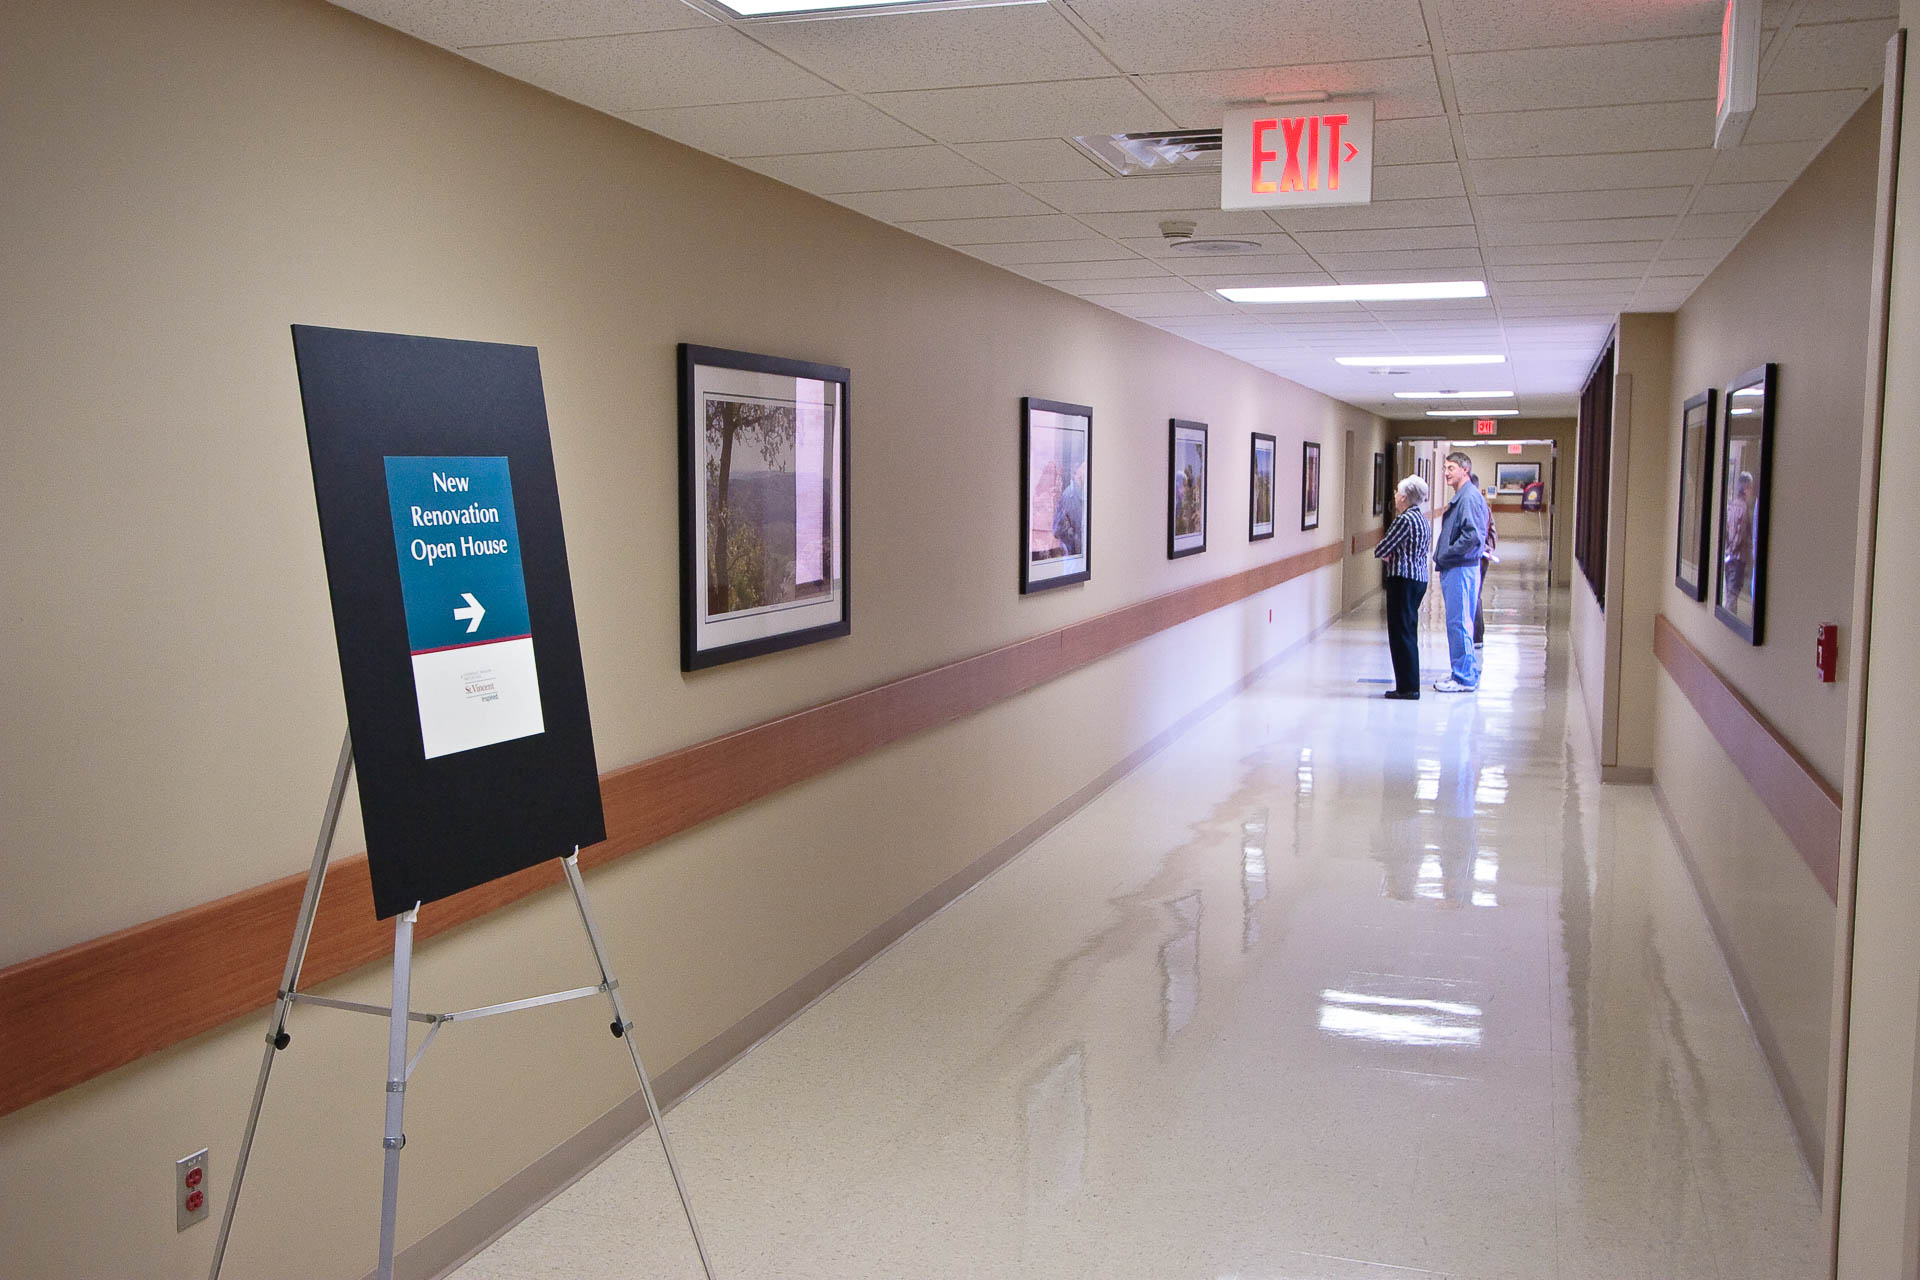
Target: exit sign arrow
x,y
472,614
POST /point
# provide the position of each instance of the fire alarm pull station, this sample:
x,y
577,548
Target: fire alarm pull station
x,y
1826,653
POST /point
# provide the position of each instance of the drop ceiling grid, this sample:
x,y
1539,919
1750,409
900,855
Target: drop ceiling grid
x,y
1558,149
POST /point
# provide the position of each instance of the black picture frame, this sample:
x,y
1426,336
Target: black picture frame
x,y
1379,484
1186,488
1310,485
1693,534
1746,457
1508,476
776,403
1263,473
1056,482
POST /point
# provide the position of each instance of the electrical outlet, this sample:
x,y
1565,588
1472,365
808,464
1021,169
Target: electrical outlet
x,y
190,1193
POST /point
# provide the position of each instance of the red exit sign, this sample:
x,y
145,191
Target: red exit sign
x,y
1318,154
1486,426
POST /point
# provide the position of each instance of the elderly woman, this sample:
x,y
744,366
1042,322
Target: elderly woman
x,y
1405,549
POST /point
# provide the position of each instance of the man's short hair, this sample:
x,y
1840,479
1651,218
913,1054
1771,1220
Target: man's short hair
x,y
1461,461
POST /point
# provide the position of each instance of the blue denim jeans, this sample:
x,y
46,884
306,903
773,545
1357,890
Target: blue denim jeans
x,y
1460,592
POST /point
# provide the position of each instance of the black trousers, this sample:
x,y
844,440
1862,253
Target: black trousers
x,y
1403,630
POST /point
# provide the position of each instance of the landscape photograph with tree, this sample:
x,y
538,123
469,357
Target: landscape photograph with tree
x,y
1187,492
1260,522
763,522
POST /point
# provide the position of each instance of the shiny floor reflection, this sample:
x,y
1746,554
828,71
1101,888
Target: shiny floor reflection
x,y
1334,988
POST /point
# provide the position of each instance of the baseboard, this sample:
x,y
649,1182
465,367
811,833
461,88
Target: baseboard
x,y
1803,1124
1625,775
453,1243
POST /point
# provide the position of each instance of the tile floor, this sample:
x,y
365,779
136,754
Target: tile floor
x,y
1333,988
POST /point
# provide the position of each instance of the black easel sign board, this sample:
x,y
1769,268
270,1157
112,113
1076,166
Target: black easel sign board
x,y
452,607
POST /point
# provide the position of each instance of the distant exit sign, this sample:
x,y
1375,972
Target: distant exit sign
x,y
1303,155
1514,448
1486,426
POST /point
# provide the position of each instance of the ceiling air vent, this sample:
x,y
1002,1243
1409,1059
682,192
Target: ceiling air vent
x,y
1128,154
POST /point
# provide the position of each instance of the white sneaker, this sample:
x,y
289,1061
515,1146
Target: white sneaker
x,y
1452,686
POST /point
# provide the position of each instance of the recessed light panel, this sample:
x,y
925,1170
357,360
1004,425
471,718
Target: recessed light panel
x,y
1453,395
1412,291
1472,413
1411,361
848,8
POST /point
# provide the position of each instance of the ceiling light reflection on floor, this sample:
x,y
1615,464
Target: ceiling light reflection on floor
x,y
1400,1020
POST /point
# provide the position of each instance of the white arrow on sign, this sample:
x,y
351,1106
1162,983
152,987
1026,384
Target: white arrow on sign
x,y
472,613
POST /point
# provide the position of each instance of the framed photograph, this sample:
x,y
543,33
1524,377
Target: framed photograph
x,y
1694,541
763,505
1310,485
1187,488
1514,476
1260,479
1746,453
1056,503
1379,483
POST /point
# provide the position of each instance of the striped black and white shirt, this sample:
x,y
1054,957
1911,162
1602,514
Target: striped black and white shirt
x,y
1408,543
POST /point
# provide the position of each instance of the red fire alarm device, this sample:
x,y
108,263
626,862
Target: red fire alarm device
x,y
1826,653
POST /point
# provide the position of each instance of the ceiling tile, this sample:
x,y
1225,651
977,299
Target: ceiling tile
x,y
1196,304
1002,201
1589,173
1802,117
970,231
1127,195
1404,238
1470,25
1584,290
1248,264
1008,255
1585,231
1698,225
455,24
1656,126
1417,181
1152,35
1122,269
1448,212
1208,223
803,125
1834,55
1595,75
1004,45
1387,258
886,169
1564,206
1397,87
1763,162
1069,108
621,74
1571,271
1117,288
1738,197
1037,160
1698,247
1426,140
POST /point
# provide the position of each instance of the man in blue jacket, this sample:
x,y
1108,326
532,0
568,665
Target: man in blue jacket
x,y
1456,555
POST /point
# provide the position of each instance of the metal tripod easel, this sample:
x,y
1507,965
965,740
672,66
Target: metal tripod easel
x,y
399,1066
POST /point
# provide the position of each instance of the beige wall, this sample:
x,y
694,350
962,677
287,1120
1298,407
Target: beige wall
x,y
182,182
1794,292
1879,1202
1361,570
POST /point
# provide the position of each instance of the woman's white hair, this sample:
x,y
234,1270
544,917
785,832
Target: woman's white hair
x,y
1414,489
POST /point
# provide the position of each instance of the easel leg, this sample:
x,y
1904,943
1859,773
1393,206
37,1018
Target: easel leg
x,y
289,982
623,1028
396,1137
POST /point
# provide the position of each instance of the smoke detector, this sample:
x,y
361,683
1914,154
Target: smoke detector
x,y
1180,239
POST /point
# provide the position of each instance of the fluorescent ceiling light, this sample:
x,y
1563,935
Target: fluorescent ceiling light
x,y
1741,413
1408,362
1751,391
1413,291
792,8
1471,413
1453,395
